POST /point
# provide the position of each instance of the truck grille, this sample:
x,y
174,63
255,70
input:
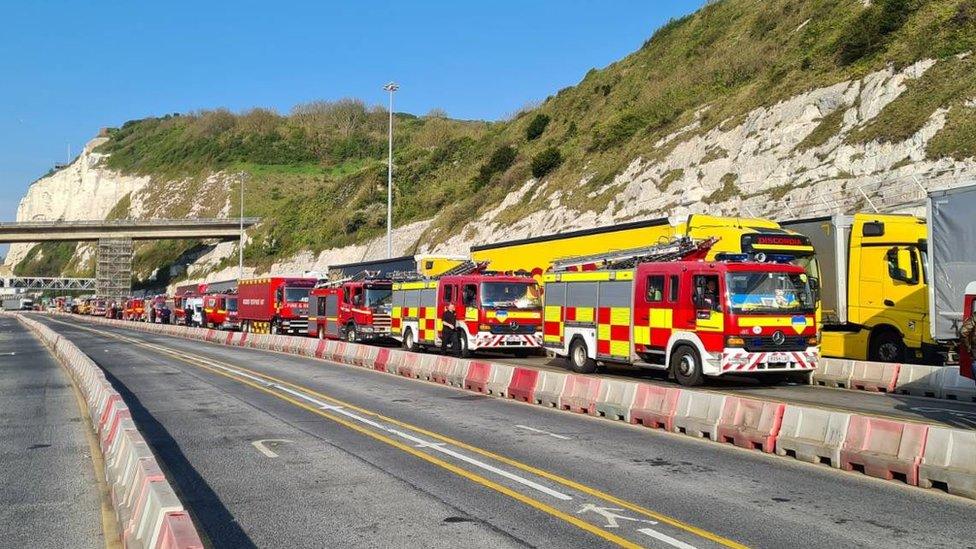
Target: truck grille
x,y
382,321
520,329
765,343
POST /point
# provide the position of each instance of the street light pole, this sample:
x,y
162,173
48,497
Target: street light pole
x,y
240,245
391,87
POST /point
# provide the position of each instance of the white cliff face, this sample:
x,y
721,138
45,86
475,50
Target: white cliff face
x,y
756,168
82,190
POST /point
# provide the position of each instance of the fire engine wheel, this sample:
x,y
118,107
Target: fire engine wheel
x,y
351,335
579,359
408,342
275,329
321,333
246,326
887,346
686,366
463,345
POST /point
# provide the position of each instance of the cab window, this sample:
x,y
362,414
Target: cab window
x,y
706,293
655,288
903,265
673,289
448,294
470,296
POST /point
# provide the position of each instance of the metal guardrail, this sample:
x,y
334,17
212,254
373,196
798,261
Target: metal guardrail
x,y
235,221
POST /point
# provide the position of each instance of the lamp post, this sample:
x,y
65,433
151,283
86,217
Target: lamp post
x,y
391,87
240,246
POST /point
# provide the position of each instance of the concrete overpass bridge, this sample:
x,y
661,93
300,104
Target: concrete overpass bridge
x,y
113,273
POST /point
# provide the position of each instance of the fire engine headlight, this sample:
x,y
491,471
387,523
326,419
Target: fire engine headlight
x,y
734,341
484,327
813,341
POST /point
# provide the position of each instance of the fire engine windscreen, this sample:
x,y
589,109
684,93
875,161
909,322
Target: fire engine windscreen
x,y
511,295
769,292
379,298
231,304
296,295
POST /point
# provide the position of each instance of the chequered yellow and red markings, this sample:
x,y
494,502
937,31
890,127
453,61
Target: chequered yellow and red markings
x,y
427,324
613,331
396,320
552,324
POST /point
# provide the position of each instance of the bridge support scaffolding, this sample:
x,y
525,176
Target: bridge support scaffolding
x,y
113,272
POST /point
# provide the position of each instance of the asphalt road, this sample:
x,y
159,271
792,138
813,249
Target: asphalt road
x,y
360,458
48,492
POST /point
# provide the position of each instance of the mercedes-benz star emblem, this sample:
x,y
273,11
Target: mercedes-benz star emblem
x,y
778,337
514,325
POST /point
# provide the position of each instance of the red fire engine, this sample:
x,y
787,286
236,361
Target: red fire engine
x,y
965,354
494,311
220,311
354,309
665,307
134,309
183,293
274,305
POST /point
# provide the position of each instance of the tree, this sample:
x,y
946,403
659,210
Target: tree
x,y
546,161
536,126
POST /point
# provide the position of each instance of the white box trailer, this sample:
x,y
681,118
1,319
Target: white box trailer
x,y
951,262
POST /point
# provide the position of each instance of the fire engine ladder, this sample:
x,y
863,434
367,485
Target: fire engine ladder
x,y
678,248
466,267
362,275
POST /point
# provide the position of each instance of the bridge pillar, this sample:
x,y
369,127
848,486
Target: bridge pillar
x,y
113,271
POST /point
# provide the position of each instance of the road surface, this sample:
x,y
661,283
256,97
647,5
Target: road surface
x,y
48,492
273,450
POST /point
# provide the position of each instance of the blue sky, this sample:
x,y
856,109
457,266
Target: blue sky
x,y
69,68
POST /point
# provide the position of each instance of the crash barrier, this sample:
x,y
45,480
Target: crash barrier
x,y
149,513
812,434
914,453
910,379
750,423
883,448
878,377
919,380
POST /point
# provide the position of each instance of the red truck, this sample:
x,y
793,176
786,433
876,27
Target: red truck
x,y
355,309
180,296
220,311
495,311
134,310
274,305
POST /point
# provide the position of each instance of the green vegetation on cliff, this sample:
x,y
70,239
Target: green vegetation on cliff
x,y
317,175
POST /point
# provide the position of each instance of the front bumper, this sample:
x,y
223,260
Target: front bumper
x,y
737,360
487,340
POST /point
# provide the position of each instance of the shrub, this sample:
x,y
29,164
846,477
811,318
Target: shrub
x,y
500,160
546,161
536,126
869,32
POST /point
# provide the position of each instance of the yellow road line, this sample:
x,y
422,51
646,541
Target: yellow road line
x,y
676,523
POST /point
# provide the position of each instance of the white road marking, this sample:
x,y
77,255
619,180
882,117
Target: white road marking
x,y
8,354
421,443
611,514
666,538
259,444
541,432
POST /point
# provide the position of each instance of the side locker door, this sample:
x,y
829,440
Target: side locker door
x,y
331,314
553,333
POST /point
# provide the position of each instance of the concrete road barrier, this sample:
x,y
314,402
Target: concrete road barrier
x,y
580,394
477,378
549,388
655,406
884,448
458,372
812,434
879,377
955,386
148,510
834,372
697,414
426,365
410,365
949,462
500,379
523,384
616,399
749,423
442,368
919,380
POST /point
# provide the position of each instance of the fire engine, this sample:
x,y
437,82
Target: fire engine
x,y
665,307
354,309
220,311
274,305
180,296
134,309
497,311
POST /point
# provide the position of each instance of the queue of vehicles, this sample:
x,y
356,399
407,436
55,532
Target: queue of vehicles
x,y
864,286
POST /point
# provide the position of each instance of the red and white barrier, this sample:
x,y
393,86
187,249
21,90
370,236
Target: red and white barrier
x,y
655,406
549,388
500,379
749,423
580,394
523,384
477,378
879,377
884,448
834,372
812,434
616,399
919,380
949,461
698,413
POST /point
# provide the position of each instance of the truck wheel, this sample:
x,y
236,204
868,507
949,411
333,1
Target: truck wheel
x,y
351,335
275,329
686,366
887,346
246,326
321,333
463,345
408,342
579,360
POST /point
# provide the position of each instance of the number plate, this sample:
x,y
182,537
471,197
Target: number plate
x,y
778,357
513,339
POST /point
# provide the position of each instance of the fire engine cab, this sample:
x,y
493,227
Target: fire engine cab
x,y
220,311
665,307
354,309
496,311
